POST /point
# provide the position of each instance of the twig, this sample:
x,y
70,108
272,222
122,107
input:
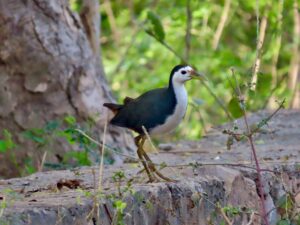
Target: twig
x,y
90,18
217,100
273,90
102,158
250,139
124,55
221,24
242,165
189,18
41,166
111,18
3,201
224,215
149,139
259,45
276,46
110,148
100,144
265,121
203,82
294,68
251,218
185,165
97,191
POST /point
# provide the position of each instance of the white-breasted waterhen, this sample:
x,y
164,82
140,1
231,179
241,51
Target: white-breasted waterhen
x,y
159,111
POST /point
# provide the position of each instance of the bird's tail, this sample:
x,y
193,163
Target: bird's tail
x,y
113,107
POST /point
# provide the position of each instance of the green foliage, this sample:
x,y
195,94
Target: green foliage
x,y
285,203
82,158
36,135
29,167
76,5
136,62
283,222
118,198
6,143
119,205
232,211
234,108
70,120
155,28
118,176
286,208
83,151
264,84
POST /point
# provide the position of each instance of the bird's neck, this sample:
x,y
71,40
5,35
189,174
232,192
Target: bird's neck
x,y
179,91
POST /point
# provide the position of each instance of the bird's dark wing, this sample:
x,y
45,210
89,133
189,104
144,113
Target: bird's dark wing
x,y
148,110
127,100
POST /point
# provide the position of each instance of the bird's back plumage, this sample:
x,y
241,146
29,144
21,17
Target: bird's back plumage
x,y
149,110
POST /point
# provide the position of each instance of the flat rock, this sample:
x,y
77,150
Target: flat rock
x,y
208,177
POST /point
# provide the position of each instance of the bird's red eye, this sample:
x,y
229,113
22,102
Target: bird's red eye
x,y
183,72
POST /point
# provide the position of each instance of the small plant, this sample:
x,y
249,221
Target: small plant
x,y
7,142
287,208
118,198
119,206
7,199
83,151
232,211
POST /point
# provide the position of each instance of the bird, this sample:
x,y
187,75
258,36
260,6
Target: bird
x,y
155,112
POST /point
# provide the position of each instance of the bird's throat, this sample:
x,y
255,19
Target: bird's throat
x,y
173,120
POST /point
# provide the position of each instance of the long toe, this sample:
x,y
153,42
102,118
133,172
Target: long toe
x,y
164,177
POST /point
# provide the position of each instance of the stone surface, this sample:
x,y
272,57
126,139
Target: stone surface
x,y
191,200
204,182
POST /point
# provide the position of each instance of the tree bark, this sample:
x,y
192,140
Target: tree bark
x,y
49,68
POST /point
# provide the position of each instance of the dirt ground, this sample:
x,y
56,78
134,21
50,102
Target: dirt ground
x,y
205,166
277,143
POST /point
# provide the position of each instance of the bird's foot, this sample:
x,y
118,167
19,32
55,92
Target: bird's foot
x,y
159,174
156,176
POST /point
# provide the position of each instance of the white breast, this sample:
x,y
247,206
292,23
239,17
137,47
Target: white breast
x,y
173,120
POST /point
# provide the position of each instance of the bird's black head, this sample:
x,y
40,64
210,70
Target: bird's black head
x,y
177,68
180,74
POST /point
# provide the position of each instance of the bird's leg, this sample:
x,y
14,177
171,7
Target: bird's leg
x,y
153,168
151,165
139,143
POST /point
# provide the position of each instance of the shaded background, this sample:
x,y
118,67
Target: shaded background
x,y
213,36
57,68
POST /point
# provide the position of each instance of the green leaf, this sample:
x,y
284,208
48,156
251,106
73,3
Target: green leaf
x,y
75,5
234,108
29,167
70,120
81,157
283,222
67,134
120,205
285,202
156,29
34,135
264,83
52,125
3,146
7,143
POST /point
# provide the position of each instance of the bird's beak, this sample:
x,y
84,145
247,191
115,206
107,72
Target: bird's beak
x,y
197,75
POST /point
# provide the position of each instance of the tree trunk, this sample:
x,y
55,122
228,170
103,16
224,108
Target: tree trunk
x,y
49,68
